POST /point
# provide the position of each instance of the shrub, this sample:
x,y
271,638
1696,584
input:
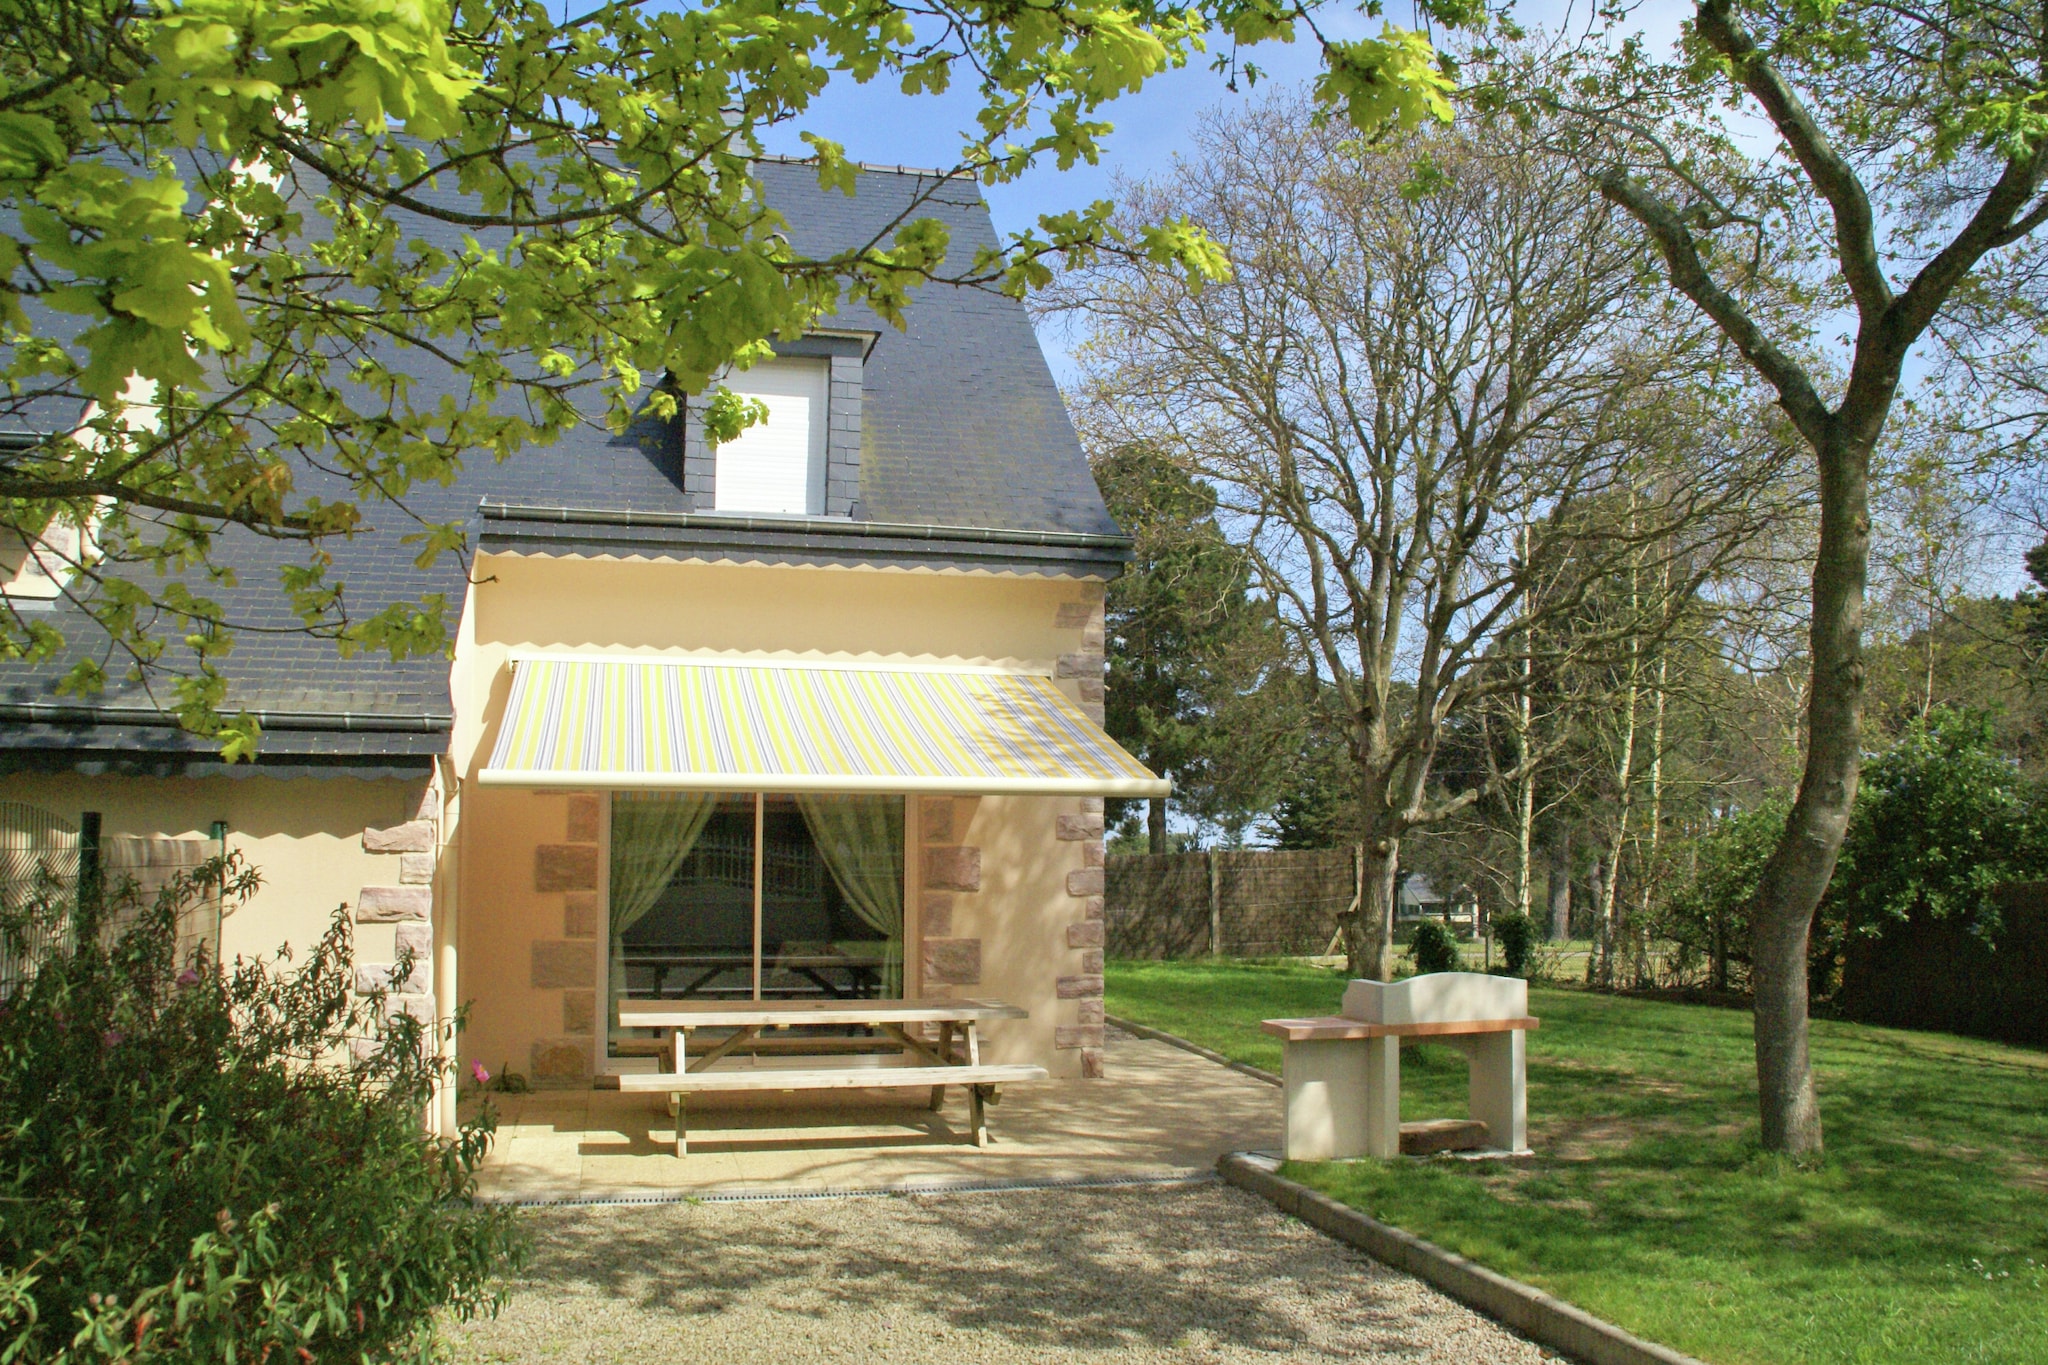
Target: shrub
x,y
1516,935
1708,917
201,1162
1434,948
1942,819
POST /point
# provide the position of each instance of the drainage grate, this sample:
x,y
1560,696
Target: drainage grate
x,y
1085,1182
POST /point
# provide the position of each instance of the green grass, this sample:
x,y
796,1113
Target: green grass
x,y
1922,1236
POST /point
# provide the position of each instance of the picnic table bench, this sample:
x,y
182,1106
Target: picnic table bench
x,y
744,1061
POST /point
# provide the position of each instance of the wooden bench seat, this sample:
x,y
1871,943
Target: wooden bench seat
x,y
979,1079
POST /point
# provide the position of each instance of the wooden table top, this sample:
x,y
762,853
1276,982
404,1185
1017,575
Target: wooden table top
x,y
1333,1028
789,1013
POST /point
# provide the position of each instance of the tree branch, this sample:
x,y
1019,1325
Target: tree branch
x,y
1834,177
1689,275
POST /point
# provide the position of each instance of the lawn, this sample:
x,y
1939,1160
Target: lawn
x,y
1922,1237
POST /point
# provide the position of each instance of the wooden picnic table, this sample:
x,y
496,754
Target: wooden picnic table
x,y
953,1058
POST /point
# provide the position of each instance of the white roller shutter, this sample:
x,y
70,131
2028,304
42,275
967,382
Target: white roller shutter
x,y
777,465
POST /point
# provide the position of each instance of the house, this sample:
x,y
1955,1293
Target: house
x,y
1417,900
814,712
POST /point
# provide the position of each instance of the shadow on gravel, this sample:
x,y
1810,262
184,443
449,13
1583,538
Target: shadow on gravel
x,y
1161,1268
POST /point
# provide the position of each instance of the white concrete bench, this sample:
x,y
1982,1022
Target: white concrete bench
x,y
979,1079
1342,1073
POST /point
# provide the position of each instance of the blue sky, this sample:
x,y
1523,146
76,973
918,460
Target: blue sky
x,y
878,123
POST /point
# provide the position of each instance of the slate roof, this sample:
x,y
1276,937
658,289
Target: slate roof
x,y
967,459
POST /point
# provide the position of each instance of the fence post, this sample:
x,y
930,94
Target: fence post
x,y
1215,909
88,859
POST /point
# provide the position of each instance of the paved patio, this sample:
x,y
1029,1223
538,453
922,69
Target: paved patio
x,y
1160,1113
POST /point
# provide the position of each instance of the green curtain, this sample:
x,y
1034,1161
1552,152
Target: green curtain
x,y
861,840
652,832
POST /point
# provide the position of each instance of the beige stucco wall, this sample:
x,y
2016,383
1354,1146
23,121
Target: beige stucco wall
x,y
513,935
304,834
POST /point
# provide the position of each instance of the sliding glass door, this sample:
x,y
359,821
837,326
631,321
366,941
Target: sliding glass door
x,y
753,896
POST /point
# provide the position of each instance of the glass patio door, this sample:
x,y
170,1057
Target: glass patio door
x,y
753,896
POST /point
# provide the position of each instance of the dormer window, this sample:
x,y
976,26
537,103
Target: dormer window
x,y
778,465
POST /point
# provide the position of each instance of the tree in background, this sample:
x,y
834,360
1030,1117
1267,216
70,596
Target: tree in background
x,y
1189,645
1425,349
1907,151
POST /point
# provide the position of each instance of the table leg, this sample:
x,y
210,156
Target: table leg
x,y
1383,1097
1497,1090
677,1102
946,1056
977,1121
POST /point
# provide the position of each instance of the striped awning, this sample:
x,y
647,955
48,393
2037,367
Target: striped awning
x,y
717,726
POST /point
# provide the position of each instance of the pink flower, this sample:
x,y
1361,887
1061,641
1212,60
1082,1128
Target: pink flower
x,y
111,1038
476,1069
188,977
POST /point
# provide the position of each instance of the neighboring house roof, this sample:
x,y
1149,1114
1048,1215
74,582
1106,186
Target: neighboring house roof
x,y
1416,891
967,459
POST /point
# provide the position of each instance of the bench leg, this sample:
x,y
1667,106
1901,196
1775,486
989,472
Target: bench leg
x,y
1383,1098
977,1121
938,1098
675,1106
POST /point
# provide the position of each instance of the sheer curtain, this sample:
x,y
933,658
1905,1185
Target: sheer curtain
x,y
861,840
652,832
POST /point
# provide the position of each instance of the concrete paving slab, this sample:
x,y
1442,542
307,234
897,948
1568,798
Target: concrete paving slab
x,y
1159,1113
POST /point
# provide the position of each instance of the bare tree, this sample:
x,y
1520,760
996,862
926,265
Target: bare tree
x,y
1897,154
1426,350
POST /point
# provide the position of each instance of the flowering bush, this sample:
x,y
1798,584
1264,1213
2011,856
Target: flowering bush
x,y
227,1163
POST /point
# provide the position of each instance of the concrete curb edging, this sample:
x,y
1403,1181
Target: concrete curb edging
x,y
1546,1320
1175,1040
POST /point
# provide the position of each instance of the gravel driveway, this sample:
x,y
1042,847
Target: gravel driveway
x,y
1183,1273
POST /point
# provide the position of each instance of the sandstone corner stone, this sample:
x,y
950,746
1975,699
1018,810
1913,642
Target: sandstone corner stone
x,y
1089,1012
935,819
1073,827
377,976
579,1012
565,867
579,914
416,937
391,904
559,965
936,914
953,867
559,1060
1086,934
1085,881
1080,987
583,809
414,836
953,961
1091,1063
416,869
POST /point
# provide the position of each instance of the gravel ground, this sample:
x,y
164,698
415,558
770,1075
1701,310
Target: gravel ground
x,y
1186,1273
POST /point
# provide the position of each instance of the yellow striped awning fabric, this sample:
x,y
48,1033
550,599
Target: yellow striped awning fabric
x,y
717,726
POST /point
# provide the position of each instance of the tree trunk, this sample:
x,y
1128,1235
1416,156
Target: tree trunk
x,y
1155,823
1624,775
1797,874
1369,938
1560,887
